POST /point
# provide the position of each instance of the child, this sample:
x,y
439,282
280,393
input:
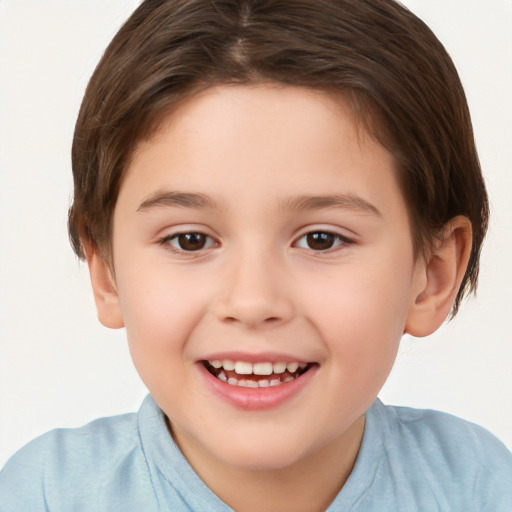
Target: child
x,y
268,195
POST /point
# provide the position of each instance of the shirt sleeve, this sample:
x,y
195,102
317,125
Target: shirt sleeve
x,y
493,486
22,479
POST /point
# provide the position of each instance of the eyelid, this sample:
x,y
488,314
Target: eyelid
x,y
343,239
177,235
165,240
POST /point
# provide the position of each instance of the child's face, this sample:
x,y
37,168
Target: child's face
x,y
299,251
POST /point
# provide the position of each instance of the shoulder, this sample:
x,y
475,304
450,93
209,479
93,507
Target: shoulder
x,y
60,447
458,440
84,461
454,457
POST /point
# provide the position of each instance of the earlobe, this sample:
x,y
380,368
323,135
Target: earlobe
x,y
440,278
104,288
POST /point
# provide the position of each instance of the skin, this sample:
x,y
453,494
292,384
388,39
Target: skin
x,y
258,287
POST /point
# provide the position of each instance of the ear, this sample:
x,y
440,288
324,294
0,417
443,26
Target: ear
x,y
439,278
104,288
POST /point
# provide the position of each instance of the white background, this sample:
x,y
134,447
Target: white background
x,y
60,367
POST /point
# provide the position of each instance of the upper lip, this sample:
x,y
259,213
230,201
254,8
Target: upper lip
x,y
261,357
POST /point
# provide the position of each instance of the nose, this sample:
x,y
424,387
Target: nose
x,y
255,293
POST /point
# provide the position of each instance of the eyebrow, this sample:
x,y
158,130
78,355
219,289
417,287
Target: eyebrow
x,y
297,203
344,201
183,199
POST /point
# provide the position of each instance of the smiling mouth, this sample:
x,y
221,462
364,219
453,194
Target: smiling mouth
x,y
256,375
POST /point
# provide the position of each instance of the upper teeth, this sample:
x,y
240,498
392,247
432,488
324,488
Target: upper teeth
x,y
266,368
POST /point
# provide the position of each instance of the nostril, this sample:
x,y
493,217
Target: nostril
x,y
253,310
270,320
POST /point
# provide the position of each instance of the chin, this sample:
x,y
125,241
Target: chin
x,y
261,454
263,460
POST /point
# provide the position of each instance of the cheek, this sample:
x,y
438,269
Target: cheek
x,y
160,310
361,317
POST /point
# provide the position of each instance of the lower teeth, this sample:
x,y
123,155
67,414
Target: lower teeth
x,y
255,384
246,383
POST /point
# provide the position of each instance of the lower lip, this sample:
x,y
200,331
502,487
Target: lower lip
x,y
257,398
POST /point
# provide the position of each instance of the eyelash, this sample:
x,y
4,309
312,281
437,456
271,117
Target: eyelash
x,y
334,240
167,241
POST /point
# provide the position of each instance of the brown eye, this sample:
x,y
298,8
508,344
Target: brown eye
x,y
191,241
320,240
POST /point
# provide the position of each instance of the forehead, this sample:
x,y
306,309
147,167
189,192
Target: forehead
x,y
275,141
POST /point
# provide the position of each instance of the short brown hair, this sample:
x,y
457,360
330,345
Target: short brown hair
x,y
397,75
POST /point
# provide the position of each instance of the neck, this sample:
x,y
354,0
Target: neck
x,y
309,485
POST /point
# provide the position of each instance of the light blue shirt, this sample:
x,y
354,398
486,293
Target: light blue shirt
x,y
410,460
